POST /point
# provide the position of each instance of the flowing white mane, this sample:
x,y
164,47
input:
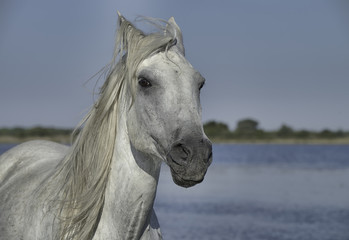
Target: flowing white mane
x,y
85,169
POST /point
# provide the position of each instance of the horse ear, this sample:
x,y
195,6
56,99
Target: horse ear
x,y
121,18
126,31
176,31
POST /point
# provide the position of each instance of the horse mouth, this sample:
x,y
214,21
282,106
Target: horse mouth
x,y
183,182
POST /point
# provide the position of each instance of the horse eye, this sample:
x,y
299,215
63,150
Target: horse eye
x,y
143,82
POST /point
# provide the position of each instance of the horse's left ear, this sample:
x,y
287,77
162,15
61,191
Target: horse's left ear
x,y
176,31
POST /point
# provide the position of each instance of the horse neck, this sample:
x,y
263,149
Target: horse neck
x,y
130,191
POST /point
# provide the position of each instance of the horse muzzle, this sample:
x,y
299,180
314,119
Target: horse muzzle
x,y
188,160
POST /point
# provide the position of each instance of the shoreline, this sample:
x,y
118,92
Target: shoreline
x,y
66,139
63,139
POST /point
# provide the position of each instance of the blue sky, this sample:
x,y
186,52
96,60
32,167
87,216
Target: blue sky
x,y
275,61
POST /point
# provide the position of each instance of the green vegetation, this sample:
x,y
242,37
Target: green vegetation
x,y
247,130
20,134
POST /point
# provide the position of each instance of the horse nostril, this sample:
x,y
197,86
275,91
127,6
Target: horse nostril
x,y
186,151
181,151
180,154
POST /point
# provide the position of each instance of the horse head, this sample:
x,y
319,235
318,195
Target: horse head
x,y
164,119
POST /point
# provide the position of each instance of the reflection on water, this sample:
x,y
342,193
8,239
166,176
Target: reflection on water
x,y
266,192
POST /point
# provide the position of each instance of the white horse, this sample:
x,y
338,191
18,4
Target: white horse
x,y
104,185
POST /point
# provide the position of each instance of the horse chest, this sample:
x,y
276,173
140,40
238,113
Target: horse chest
x,y
128,206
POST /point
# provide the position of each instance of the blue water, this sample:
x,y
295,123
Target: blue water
x,y
260,192
279,155
5,146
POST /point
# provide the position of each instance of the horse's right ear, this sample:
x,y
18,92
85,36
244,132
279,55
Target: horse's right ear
x,y
121,18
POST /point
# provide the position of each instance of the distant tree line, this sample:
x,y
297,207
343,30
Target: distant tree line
x,y
247,129
19,132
